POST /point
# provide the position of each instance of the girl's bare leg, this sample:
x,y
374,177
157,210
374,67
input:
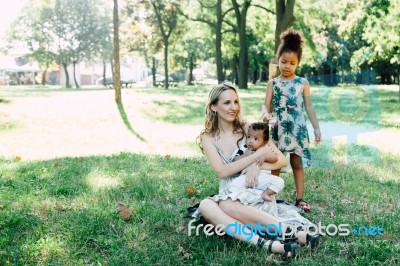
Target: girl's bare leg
x,y
298,174
212,212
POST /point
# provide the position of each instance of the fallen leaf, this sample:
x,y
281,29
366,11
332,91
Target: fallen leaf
x,y
328,173
17,158
124,212
193,199
191,191
167,156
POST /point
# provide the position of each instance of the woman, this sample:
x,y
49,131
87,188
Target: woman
x,y
221,140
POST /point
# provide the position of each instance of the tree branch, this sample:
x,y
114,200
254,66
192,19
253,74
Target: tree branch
x,y
266,9
205,6
227,11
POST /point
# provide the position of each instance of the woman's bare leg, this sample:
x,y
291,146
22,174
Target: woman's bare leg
x,y
248,214
212,212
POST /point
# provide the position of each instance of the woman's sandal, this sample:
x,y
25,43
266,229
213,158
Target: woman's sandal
x,y
290,248
305,207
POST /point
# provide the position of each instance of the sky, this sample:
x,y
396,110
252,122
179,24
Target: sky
x,y
8,11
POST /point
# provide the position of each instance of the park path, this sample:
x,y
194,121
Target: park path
x,y
51,124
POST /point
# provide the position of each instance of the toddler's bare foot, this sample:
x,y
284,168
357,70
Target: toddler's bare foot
x,y
265,196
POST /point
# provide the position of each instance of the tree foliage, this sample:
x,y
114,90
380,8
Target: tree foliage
x,y
57,31
343,38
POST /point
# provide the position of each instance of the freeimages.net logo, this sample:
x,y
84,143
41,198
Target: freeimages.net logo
x,y
273,230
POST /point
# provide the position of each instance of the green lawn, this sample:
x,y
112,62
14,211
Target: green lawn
x,y
64,211
349,104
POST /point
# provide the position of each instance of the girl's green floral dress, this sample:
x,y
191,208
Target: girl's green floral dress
x,y
290,132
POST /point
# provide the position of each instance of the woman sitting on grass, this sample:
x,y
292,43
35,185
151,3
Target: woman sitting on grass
x,y
221,139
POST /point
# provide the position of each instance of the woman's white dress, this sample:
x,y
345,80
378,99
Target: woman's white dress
x,y
252,196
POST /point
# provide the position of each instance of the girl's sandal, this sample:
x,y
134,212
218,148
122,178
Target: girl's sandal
x,y
290,248
302,204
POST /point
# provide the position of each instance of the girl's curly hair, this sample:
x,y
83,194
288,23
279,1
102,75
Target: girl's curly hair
x,y
291,41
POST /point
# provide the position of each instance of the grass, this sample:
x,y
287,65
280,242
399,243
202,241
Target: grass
x,y
63,211
347,104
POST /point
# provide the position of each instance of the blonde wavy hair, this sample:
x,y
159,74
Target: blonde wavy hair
x,y
211,118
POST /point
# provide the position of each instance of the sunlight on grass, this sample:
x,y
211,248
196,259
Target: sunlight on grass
x,y
64,211
97,181
176,111
47,247
43,225
391,120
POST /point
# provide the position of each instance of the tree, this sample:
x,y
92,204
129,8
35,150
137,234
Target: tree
x,y
166,14
241,19
284,19
213,15
117,73
81,36
140,35
31,29
384,45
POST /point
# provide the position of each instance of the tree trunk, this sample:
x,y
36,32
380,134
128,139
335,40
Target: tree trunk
x,y
218,43
166,81
398,78
44,76
67,85
284,19
153,72
191,66
112,66
241,17
104,73
74,73
117,74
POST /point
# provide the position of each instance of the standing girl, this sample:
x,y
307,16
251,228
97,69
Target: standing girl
x,y
287,96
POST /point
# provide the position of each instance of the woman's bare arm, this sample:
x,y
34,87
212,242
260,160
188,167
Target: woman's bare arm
x,y
220,168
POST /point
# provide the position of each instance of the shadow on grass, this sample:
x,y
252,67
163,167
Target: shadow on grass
x,y
63,212
128,125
